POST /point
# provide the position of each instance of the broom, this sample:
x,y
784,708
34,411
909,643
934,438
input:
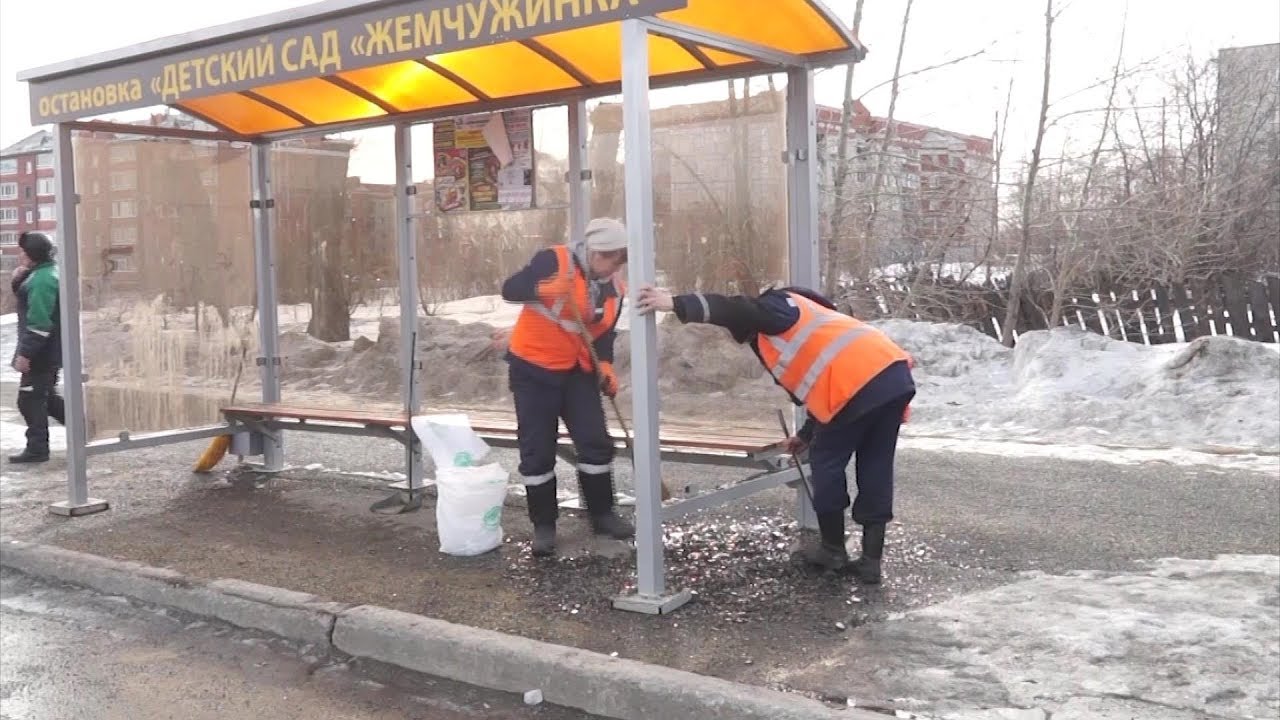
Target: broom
x,y
595,368
220,444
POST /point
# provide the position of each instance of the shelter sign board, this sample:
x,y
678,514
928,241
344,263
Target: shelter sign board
x,y
258,57
484,162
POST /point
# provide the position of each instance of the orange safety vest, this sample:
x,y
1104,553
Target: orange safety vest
x,y
826,357
549,336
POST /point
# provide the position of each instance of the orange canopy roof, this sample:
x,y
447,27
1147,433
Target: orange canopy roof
x,y
347,61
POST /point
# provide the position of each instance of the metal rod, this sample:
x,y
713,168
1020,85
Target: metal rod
x,y
158,439
553,98
278,107
264,258
737,491
795,457
642,270
118,128
559,61
704,38
579,184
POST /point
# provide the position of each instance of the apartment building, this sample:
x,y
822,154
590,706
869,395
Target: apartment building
x,y
27,193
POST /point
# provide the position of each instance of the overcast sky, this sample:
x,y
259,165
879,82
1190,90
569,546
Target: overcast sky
x,y
961,97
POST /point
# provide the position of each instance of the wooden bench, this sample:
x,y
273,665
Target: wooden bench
x,y
678,442
681,443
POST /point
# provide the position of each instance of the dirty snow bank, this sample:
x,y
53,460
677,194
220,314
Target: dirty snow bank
x,y
1064,386
1187,638
1077,387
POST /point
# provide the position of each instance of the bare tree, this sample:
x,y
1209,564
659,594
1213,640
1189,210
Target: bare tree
x,y
864,255
1072,261
831,273
1019,281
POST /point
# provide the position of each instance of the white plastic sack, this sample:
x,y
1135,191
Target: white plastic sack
x,y
469,508
450,440
469,495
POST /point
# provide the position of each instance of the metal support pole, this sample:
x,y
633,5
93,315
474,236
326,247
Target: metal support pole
x,y
407,257
802,214
579,176
78,501
649,597
264,260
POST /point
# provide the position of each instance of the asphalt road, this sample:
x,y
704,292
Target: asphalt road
x,y
1024,513
71,654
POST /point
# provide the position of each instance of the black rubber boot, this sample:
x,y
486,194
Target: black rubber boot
x,y
829,553
867,567
597,493
29,456
543,512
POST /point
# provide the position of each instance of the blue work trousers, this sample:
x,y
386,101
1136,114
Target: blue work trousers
x,y
871,438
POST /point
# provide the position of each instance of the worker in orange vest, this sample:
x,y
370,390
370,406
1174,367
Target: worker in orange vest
x,y
564,289
855,385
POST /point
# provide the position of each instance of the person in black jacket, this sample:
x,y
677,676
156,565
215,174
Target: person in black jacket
x,y
38,354
831,364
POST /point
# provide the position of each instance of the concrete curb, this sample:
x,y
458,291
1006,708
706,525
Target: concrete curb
x,y
596,683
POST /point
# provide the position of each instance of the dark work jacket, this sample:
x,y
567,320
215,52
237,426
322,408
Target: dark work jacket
x,y
522,287
39,324
746,318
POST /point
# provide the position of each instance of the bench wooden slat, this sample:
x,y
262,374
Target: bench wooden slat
x,y
493,424
364,417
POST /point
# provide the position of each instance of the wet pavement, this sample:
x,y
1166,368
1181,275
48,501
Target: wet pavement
x,y
967,523
70,654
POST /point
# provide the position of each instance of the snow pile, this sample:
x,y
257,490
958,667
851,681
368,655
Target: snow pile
x,y
1072,386
1184,638
1064,386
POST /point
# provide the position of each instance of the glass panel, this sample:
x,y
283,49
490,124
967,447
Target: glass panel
x,y
409,86
463,259
166,260
241,114
790,25
720,226
336,270
505,70
320,101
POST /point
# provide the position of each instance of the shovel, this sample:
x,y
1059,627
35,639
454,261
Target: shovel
x,y
595,369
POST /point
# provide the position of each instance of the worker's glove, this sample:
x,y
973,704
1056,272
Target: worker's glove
x,y
608,379
554,288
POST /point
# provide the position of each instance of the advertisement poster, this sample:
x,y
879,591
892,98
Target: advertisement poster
x,y
484,162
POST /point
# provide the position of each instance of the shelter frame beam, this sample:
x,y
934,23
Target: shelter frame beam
x,y
579,175
407,259
264,261
651,596
78,501
802,217
702,38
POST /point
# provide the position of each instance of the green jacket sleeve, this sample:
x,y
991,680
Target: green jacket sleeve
x,y
42,299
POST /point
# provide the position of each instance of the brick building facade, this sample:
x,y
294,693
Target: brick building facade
x,y
27,193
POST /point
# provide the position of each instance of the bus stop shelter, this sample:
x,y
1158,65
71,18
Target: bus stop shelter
x,y
344,65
